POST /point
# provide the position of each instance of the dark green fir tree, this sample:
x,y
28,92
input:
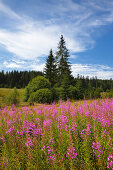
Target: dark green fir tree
x,y
50,70
63,65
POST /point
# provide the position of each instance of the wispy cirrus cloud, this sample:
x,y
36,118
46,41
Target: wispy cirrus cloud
x,y
31,43
8,11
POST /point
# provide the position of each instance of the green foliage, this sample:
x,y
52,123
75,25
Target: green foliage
x,y
4,92
64,93
62,56
72,92
97,92
36,84
104,95
80,90
65,87
50,69
13,97
55,96
18,79
26,94
41,96
57,93
111,93
89,93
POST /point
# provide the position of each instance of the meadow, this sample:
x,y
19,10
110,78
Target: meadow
x,y
4,92
68,135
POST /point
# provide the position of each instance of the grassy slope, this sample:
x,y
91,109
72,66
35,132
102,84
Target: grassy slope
x,y
4,93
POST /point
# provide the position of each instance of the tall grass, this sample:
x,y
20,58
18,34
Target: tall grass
x,y
4,92
76,135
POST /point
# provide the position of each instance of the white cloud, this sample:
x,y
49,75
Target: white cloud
x,y
11,65
23,65
100,71
77,22
72,56
18,61
37,67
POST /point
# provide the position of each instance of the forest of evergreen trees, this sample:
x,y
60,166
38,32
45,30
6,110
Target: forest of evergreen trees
x,y
18,79
90,87
58,71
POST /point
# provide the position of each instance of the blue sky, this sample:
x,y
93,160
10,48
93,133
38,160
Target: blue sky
x,y
30,28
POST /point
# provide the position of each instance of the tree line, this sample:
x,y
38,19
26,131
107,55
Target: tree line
x,y
18,79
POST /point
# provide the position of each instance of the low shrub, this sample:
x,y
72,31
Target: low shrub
x,y
37,83
104,95
111,93
41,96
97,92
13,97
26,94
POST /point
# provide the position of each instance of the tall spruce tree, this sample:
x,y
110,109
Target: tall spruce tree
x,y
63,66
50,69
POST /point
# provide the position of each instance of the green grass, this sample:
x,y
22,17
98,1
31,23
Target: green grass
x,y
4,93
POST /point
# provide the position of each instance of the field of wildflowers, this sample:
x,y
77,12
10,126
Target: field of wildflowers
x,y
68,135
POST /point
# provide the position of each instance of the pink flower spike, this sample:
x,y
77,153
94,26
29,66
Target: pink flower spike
x,y
26,144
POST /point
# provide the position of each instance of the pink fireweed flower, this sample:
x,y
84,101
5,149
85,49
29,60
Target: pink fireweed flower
x,y
43,147
47,122
11,112
74,127
52,158
73,113
19,133
96,149
104,132
64,119
87,113
32,125
51,141
10,130
6,162
86,131
110,161
8,122
63,123
54,112
29,143
25,125
71,153
2,138
48,149
37,132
